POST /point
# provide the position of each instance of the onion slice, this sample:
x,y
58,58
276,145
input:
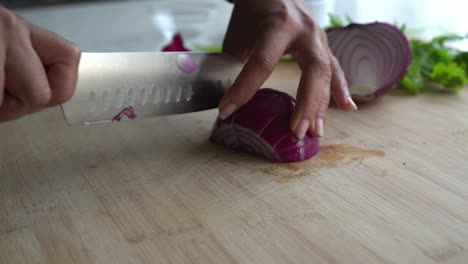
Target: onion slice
x,y
374,57
261,127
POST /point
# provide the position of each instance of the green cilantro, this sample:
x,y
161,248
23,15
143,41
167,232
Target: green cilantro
x,y
450,75
413,81
213,48
462,59
336,21
434,63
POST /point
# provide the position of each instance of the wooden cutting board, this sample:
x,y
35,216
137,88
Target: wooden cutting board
x,y
390,185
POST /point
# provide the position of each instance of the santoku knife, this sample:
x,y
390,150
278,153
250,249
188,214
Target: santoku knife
x,y
118,86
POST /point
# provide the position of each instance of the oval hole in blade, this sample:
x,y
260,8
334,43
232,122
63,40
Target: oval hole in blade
x,y
167,94
144,95
156,94
119,98
106,100
188,92
178,93
92,102
131,97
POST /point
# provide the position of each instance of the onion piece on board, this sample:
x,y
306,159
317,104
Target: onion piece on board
x,y
261,127
374,57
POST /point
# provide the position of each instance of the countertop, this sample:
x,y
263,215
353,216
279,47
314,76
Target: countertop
x,y
390,185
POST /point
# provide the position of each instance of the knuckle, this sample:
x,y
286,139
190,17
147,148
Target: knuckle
x,y
323,37
63,96
322,64
320,114
295,24
323,104
9,21
316,61
72,53
282,12
39,101
309,23
284,15
264,60
322,109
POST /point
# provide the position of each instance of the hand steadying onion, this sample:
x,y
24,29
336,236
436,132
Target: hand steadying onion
x,y
374,57
261,127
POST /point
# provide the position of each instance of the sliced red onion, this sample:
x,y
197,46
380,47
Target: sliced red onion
x,y
261,127
128,112
177,44
374,57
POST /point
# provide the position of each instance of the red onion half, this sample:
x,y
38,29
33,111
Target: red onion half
x,y
261,127
374,57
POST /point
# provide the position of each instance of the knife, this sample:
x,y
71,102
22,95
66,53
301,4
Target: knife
x,y
134,85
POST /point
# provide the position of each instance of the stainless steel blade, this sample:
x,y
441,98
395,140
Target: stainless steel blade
x,y
114,86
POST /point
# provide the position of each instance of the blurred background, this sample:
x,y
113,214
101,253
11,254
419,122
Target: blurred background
x,y
146,25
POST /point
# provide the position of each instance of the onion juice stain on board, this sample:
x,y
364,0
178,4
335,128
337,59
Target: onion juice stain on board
x,y
286,172
329,157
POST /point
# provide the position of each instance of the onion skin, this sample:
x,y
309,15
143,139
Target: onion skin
x,y
261,127
374,57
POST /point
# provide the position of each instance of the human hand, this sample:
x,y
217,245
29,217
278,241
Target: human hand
x,y
261,31
38,68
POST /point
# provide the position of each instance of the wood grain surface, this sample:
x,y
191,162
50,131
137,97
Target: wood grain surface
x,y
390,185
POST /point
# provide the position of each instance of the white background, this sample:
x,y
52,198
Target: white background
x,y
130,25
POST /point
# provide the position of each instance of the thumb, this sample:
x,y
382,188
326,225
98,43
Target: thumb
x,y
61,59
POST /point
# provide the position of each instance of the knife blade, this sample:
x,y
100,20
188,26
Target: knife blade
x,y
135,85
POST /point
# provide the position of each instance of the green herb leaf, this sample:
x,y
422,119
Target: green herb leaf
x,y
413,81
335,21
451,75
462,59
441,40
434,63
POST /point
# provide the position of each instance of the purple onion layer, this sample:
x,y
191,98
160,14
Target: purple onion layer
x,y
261,127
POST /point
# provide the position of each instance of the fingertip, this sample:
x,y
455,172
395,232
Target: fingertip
x,y
318,127
227,110
302,128
347,104
351,103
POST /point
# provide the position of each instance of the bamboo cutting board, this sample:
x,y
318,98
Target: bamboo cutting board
x,y
390,185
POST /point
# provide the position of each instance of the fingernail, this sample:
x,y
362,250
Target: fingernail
x,y
351,102
302,128
226,111
319,126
